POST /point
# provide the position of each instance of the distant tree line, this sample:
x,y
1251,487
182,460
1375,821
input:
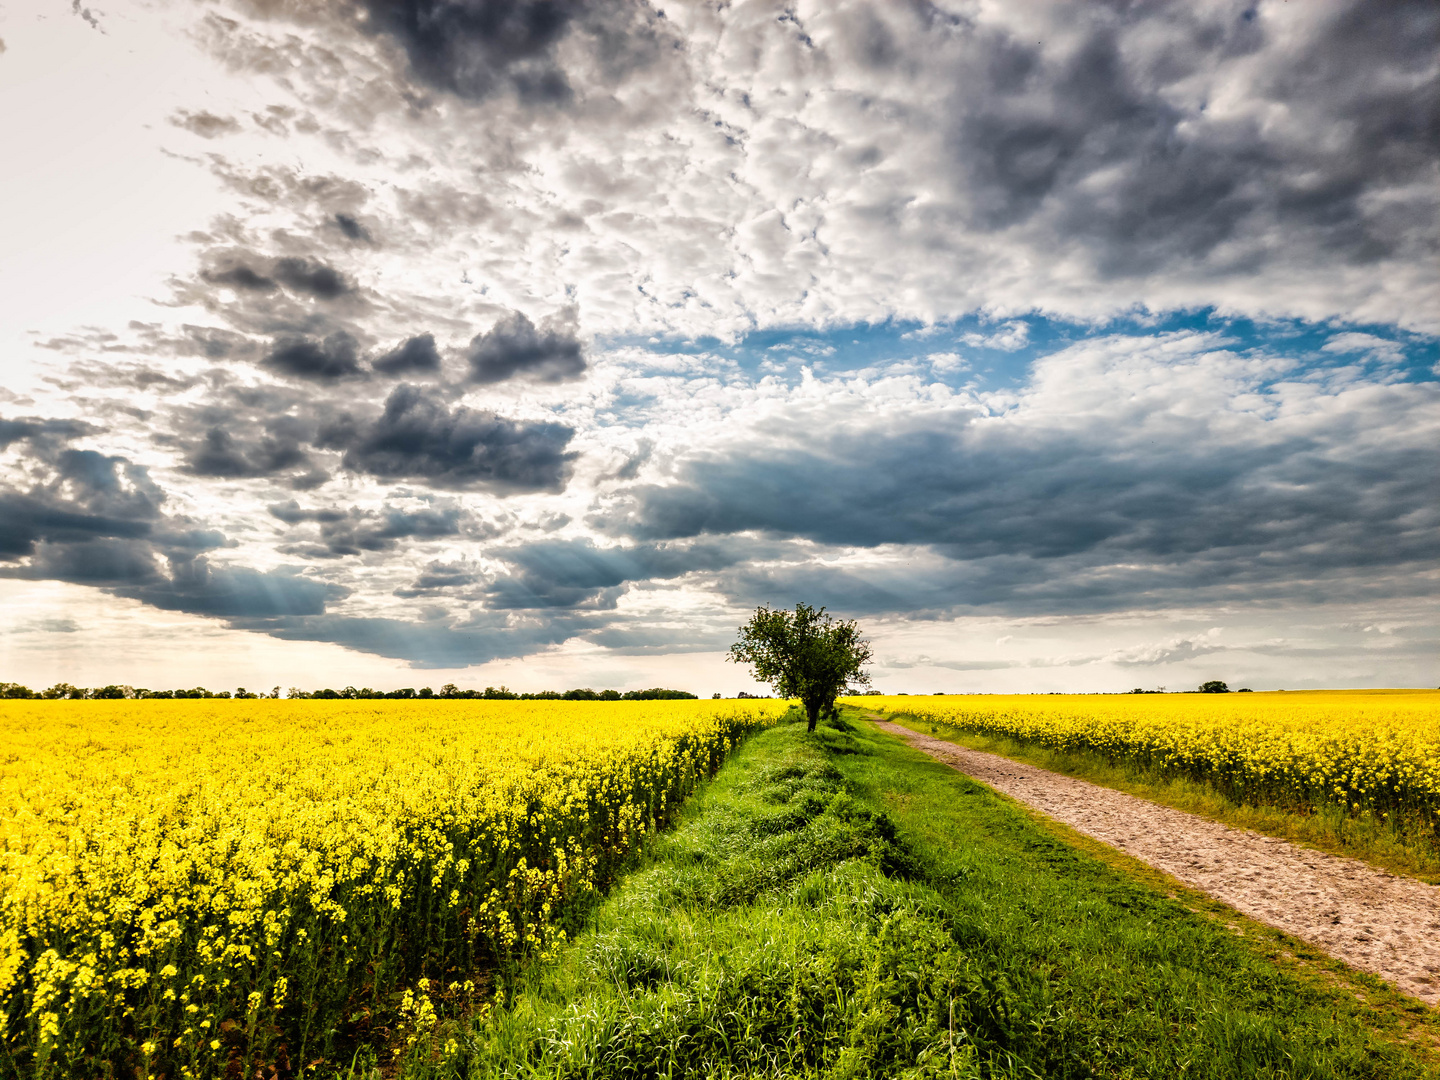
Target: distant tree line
x,y
448,692
1214,686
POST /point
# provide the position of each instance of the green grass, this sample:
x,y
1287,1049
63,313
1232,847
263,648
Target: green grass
x,y
841,905
1401,847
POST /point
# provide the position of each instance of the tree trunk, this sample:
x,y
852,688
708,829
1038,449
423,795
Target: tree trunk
x,y
812,714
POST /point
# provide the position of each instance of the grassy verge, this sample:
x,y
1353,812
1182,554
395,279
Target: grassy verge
x,y
1387,844
840,905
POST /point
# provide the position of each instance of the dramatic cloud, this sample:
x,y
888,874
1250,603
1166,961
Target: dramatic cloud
x,y
354,531
352,228
305,277
513,348
275,449
413,356
41,430
1110,478
1128,138
454,331
201,588
81,495
310,278
439,577
479,48
99,520
434,644
418,437
336,357
577,573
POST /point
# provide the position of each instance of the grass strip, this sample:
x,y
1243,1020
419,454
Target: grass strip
x,y
842,905
1388,844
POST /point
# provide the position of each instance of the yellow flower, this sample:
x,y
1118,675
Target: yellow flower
x,y
1367,751
230,845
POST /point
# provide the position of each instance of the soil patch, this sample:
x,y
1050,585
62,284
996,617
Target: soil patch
x,y
1372,920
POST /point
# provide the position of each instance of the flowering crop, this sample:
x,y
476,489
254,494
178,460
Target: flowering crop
x,y
1372,752
200,887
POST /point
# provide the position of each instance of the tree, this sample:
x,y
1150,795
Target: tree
x,y
1214,686
803,654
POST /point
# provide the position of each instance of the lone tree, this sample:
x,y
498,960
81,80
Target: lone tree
x,y
803,654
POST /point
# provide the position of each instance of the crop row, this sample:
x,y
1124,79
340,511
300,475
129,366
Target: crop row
x,y
198,888
1370,752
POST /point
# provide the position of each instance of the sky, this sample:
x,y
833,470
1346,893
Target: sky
x,y
1066,347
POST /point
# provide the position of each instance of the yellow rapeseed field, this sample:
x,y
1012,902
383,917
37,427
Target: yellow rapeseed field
x,y
192,888
1375,752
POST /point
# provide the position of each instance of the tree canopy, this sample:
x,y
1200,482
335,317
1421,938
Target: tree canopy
x,y
803,654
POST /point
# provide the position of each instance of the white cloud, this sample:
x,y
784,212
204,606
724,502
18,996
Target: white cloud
x,y
1167,651
702,176
1384,350
947,362
1013,335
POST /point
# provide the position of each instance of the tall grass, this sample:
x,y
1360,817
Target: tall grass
x,y
839,905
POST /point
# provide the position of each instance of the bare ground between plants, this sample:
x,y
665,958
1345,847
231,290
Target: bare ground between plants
x,y
1372,920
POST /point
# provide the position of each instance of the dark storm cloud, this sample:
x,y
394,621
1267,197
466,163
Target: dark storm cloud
x,y
235,592
478,48
337,356
352,228
299,435
439,577
419,437
103,562
311,308
568,574
434,644
515,348
868,591
80,496
1105,142
416,354
242,277
184,582
303,276
1092,515
37,428
310,278
26,520
575,573
650,641
266,449
354,531
99,520
246,431
475,48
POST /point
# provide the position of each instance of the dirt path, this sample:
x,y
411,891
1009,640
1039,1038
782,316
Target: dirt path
x,y
1374,921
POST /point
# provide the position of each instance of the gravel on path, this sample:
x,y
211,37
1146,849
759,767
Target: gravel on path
x,y
1373,921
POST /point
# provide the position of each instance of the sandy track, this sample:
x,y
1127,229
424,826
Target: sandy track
x,y
1374,921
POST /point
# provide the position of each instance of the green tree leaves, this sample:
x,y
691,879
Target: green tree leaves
x,y
803,654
